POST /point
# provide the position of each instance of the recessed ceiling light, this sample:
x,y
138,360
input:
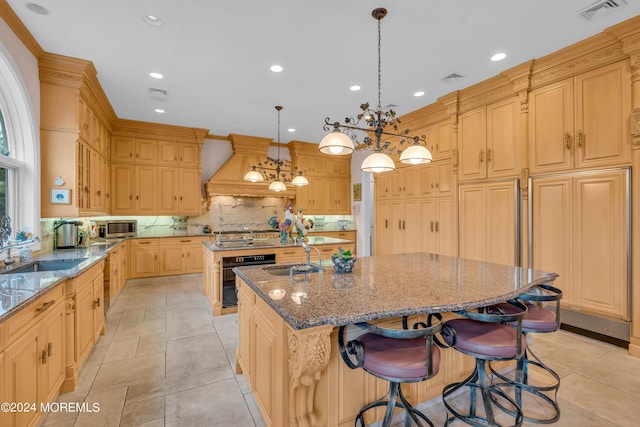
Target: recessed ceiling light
x,y
419,93
152,20
156,75
355,88
159,110
498,57
36,8
276,68
291,130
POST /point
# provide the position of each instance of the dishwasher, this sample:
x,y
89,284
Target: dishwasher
x,y
229,296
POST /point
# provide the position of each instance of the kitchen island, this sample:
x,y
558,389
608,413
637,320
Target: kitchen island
x,y
219,277
287,328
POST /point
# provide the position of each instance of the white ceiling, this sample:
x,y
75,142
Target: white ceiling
x,y
215,55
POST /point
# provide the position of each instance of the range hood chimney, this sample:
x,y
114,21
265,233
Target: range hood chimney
x,y
229,179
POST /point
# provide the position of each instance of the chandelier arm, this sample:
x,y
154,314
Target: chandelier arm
x,y
351,127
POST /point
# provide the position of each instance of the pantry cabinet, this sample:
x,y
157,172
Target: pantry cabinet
x,y
489,221
438,229
580,229
583,121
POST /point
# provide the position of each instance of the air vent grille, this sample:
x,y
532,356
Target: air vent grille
x,y
158,94
451,77
601,8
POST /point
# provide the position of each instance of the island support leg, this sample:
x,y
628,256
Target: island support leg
x,y
309,353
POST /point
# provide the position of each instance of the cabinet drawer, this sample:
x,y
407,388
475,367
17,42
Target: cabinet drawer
x,y
285,256
25,318
173,241
144,243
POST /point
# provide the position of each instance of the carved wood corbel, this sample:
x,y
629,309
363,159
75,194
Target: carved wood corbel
x,y
635,129
70,304
524,183
309,353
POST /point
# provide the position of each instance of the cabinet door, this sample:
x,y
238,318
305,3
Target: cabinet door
x,y
84,119
83,157
600,244
472,131
472,222
343,196
551,127
428,228
144,256
84,321
168,153
194,262
395,183
427,176
503,138
382,185
98,307
382,230
501,224
446,227
106,182
396,239
53,327
167,190
552,224
122,189
444,179
189,155
171,260
410,181
411,226
444,140
603,111
189,191
122,149
22,368
303,198
145,186
146,151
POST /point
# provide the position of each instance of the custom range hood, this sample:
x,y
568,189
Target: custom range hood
x,y
229,179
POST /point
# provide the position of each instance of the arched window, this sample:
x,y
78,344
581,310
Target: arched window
x,y
19,150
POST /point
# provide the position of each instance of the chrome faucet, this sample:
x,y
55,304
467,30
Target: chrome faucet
x,y
307,248
250,232
7,248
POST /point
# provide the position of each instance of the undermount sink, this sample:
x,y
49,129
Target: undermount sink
x,y
285,269
45,265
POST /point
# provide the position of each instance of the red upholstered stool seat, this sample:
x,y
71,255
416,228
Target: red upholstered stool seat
x,y
492,340
396,358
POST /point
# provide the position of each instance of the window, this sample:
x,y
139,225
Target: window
x,y
19,149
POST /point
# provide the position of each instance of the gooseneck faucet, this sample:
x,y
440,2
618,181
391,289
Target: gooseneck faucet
x,y
307,248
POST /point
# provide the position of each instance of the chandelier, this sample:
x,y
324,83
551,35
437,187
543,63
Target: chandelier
x,y
343,139
276,171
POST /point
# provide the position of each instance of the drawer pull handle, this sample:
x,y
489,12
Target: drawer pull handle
x,y
43,358
45,306
567,142
96,303
185,241
49,349
143,243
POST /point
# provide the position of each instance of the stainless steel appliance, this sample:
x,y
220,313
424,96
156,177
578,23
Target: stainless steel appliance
x,y
229,297
109,229
67,234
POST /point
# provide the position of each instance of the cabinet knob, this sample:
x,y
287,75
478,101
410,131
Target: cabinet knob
x,y
96,303
567,142
43,357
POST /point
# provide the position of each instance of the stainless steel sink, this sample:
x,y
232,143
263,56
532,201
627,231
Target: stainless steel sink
x,y
286,269
45,265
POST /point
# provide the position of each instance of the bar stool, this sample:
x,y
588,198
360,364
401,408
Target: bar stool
x,y
397,356
484,336
540,319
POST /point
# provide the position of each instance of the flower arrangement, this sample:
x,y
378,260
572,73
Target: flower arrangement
x,y
23,235
343,261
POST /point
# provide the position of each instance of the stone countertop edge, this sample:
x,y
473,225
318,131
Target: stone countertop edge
x,y
275,243
46,281
304,315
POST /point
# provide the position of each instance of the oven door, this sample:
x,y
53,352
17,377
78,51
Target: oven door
x,y
229,292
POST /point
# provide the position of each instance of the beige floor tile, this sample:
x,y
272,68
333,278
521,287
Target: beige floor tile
x,y
56,418
151,313
110,409
128,372
142,412
196,353
141,328
219,404
120,349
151,348
168,385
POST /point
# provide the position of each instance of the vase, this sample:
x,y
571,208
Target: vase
x,y
342,264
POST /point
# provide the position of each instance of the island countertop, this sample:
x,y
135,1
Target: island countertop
x,y
389,286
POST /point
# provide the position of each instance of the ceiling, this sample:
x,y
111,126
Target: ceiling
x,y
215,55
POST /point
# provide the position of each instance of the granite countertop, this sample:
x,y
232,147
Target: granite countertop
x,y
19,289
275,243
389,286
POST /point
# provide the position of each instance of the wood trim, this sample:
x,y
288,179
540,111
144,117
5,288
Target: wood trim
x,y
19,29
138,129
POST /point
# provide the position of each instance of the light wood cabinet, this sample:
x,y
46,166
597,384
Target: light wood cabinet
x,y
582,121
580,231
489,221
490,142
438,229
34,359
406,223
167,190
122,149
144,258
145,189
188,191
181,154
440,140
122,202
405,182
436,179
115,275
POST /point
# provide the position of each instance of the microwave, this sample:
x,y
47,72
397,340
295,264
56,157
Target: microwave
x,y
117,228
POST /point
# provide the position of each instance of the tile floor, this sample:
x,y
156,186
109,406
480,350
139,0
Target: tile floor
x,y
165,361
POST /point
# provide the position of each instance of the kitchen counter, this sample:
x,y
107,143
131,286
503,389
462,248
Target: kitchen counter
x,y
275,243
390,286
19,289
288,331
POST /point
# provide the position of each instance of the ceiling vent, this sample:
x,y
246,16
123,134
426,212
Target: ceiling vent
x,y
451,77
601,8
158,94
